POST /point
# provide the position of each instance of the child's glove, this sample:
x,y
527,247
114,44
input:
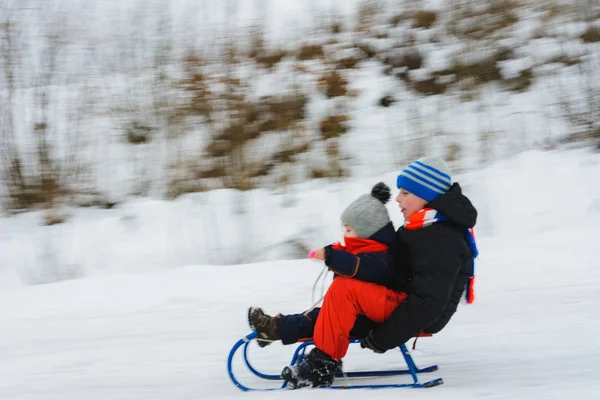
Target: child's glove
x,y
317,254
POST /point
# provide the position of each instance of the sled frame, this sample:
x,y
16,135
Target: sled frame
x,y
300,353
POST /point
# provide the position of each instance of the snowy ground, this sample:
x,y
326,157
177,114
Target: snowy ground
x,y
164,332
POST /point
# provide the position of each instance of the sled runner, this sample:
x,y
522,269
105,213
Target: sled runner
x,y
300,352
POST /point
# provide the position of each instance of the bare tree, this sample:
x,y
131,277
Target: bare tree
x,y
10,163
39,138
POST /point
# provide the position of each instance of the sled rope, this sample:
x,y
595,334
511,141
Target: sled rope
x,y
317,304
322,274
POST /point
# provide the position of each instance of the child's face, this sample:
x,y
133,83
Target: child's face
x,y
409,203
349,231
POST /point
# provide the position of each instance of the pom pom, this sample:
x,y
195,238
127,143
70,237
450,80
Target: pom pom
x,y
381,192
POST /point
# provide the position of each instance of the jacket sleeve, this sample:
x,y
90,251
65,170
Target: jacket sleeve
x,y
435,269
368,267
341,262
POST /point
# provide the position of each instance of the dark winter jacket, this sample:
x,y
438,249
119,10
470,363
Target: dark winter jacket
x,y
368,267
432,265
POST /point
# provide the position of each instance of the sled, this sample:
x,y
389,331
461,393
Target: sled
x,y
300,352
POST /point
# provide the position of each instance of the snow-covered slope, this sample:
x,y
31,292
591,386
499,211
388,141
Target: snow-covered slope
x,y
523,196
532,332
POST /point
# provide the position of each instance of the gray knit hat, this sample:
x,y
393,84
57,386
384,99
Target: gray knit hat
x,y
368,214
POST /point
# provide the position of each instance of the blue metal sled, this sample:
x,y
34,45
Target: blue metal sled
x,y
299,354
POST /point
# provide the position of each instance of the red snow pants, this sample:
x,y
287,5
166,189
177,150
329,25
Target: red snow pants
x,y
345,299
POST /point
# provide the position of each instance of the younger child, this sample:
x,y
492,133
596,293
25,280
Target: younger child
x,y
369,236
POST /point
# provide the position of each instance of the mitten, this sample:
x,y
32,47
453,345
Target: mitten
x,y
369,343
317,254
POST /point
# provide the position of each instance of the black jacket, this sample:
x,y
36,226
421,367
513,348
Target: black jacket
x,y
371,267
433,265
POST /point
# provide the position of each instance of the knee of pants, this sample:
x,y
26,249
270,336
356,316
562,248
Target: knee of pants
x,y
340,283
341,288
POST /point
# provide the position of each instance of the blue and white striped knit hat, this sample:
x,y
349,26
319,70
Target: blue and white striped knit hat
x,y
427,178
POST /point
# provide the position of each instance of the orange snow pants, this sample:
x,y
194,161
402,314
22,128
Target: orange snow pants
x,y
345,299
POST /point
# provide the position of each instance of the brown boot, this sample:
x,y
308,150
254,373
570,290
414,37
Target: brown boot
x,y
266,326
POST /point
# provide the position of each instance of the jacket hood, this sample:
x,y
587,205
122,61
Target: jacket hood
x,y
456,207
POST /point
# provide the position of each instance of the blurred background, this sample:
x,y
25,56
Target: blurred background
x,y
204,122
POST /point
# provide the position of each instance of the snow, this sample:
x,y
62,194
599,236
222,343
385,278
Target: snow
x,y
148,321
144,300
